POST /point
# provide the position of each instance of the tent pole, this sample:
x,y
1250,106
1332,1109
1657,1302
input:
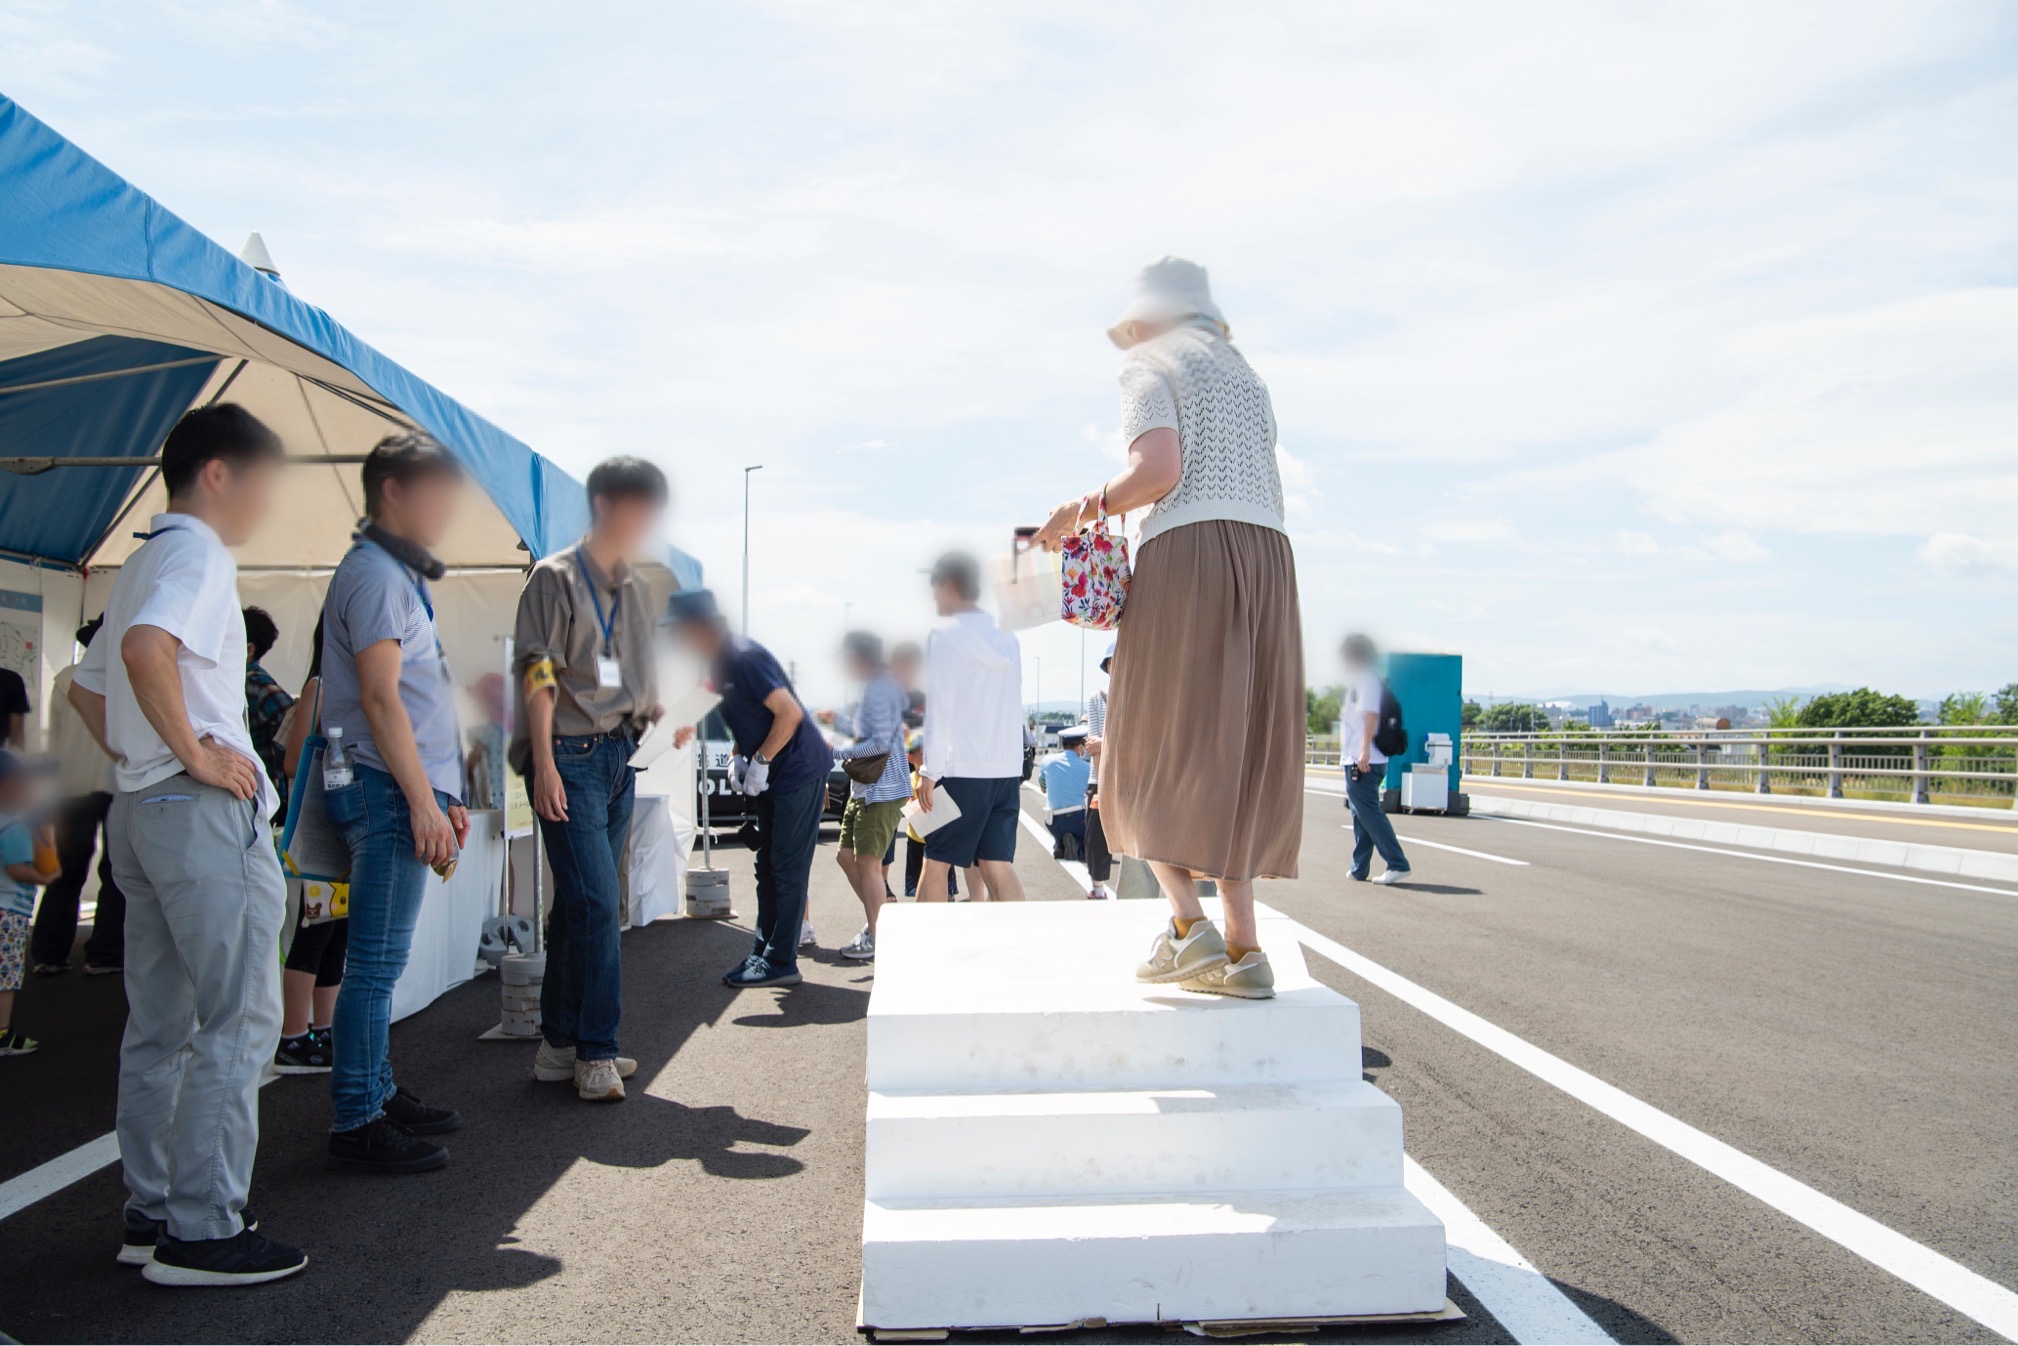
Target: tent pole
x,y
105,374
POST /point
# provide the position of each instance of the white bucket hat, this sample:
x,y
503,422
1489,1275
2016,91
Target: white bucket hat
x,y
1168,290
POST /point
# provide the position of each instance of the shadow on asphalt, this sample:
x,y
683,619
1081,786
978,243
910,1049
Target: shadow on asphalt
x,y
387,1251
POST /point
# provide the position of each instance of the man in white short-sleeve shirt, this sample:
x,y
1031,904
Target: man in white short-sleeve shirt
x,y
162,687
1359,717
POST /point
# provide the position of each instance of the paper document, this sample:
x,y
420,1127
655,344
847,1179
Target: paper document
x,y
688,708
944,811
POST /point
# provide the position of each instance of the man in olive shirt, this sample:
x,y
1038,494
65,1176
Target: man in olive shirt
x,y
582,657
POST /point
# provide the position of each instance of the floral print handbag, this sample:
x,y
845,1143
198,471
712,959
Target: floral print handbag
x,y
1095,570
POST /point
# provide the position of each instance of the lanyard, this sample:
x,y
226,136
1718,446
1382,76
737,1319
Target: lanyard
x,y
172,528
609,624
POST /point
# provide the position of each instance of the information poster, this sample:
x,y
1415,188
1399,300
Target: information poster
x,y
21,634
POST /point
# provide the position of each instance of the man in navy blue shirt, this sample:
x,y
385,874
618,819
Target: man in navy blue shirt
x,y
781,761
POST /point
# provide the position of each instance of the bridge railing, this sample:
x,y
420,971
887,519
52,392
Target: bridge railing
x,y
1968,764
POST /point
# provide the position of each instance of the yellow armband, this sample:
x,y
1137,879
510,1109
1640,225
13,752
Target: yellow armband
x,y
540,678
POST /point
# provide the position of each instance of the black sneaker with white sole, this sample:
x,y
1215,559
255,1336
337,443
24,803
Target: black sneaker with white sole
x,y
246,1258
383,1146
137,1241
418,1117
309,1054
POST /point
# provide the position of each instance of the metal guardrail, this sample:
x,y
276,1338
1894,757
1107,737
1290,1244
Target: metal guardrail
x,y
1970,764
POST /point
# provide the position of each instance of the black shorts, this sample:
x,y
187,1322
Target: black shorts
x,y
986,828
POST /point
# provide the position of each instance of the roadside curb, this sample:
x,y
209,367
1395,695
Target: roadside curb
x,y
1956,861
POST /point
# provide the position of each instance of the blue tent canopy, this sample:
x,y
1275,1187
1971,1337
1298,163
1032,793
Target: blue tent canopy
x,y
116,317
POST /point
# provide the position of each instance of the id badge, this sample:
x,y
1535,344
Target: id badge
x,y
608,673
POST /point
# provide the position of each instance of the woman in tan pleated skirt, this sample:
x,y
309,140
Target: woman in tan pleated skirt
x,y
1201,765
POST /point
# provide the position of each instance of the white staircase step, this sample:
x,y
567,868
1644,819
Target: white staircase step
x,y
1144,1260
1042,996
1193,1141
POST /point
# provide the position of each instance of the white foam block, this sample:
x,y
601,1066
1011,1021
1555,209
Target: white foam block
x,y
1199,1141
1042,996
1261,1255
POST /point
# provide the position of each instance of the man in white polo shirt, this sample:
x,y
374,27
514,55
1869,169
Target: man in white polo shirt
x,y
162,687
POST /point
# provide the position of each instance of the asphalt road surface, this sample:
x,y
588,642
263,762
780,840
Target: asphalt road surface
x,y
1852,1034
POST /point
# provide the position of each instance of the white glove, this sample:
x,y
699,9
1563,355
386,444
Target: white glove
x,y
756,778
737,766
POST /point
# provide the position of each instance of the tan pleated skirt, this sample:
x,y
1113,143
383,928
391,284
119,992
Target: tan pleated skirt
x,y
1202,764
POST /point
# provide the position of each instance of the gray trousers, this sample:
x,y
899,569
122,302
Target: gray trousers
x,y
204,909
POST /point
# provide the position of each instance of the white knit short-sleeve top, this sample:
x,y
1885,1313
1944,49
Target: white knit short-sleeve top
x,y
1193,380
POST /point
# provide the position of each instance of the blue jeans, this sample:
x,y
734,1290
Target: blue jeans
x,y
387,883
788,830
1370,827
582,998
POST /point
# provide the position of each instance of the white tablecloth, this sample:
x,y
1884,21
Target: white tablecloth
x,y
451,918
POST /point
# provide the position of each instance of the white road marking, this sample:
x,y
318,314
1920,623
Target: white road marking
x,y
17,1194
1947,1280
1753,855
1458,850
1527,1304
1519,1297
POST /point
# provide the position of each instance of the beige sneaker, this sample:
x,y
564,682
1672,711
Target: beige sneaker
x,y
1251,978
599,1082
554,1064
1173,959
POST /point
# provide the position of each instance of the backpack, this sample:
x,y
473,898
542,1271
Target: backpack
x,y
1389,737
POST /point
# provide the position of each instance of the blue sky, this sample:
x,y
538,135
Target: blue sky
x,y
1618,347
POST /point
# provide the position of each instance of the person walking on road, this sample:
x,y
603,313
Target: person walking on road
x,y
386,684
1366,764
162,689
1202,774
583,660
973,738
781,762
84,790
875,808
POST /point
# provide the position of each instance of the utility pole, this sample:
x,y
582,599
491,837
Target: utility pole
x,y
754,467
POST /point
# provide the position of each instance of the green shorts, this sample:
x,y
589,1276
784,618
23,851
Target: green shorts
x,y
868,829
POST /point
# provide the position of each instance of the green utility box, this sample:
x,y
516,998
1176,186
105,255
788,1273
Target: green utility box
x,y
1430,688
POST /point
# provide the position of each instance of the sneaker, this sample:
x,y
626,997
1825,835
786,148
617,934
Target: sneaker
x,y
138,1239
807,939
863,950
599,1082
104,969
13,1043
305,1055
417,1116
243,1259
1251,978
1393,876
51,969
759,972
1173,959
554,1064
383,1146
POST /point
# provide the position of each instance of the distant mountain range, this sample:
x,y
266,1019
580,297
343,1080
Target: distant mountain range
x,y
1743,696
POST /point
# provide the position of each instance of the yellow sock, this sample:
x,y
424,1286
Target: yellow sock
x,y
1184,924
1235,952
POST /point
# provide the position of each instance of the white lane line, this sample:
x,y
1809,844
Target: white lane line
x,y
18,1193
1947,1280
1527,1304
1507,1285
1079,873
1458,850
1753,855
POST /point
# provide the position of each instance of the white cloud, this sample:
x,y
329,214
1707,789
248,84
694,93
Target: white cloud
x,y
1965,554
1634,544
1731,545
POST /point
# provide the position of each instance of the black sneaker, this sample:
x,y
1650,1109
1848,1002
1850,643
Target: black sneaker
x,y
418,1117
104,969
305,1055
243,1259
51,969
136,1244
383,1146
13,1043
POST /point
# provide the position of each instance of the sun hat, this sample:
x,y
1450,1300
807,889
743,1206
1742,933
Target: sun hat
x,y
1167,290
692,605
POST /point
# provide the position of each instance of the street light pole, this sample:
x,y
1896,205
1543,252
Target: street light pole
x,y
754,467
